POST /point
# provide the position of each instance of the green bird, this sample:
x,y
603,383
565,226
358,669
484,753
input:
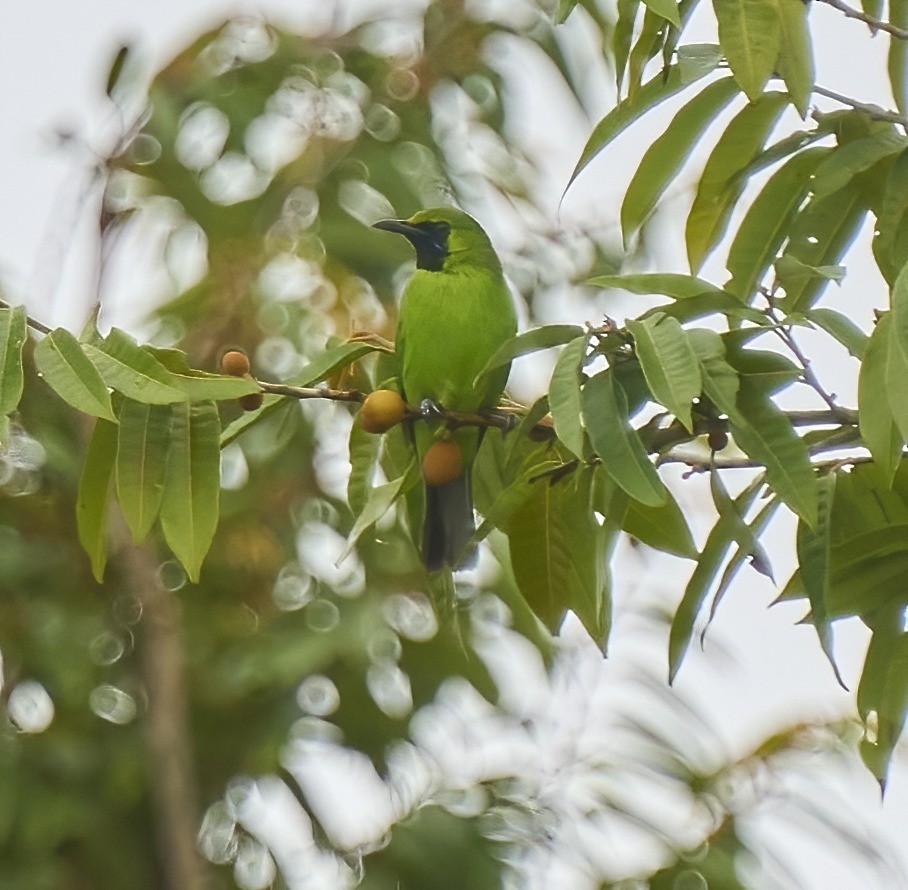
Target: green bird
x,y
455,313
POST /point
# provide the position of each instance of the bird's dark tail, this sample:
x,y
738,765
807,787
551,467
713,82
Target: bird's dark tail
x,y
449,525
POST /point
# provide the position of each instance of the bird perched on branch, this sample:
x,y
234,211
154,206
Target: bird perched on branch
x,y
455,313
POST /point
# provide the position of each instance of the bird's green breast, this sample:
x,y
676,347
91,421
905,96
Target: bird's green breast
x,y
451,323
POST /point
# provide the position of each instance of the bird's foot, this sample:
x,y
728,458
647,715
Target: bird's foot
x,y
430,410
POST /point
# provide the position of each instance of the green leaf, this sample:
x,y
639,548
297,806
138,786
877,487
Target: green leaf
x,y
841,327
663,528
624,33
746,537
364,449
720,379
725,175
556,553
564,396
380,499
189,505
648,45
92,498
565,8
132,370
848,160
896,63
200,386
247,419
12,340
333,359
669,364
795,52
819,236
899,329
766,435
530,341
714,551
70,373
897,376
769,371
665,156
698,59
658,88
883,692
813,558
877,426
890,242
142,447
750,36
616,441
671,284
765,225
668,9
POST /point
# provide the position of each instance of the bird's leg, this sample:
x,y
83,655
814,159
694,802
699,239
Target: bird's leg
x,y
429,409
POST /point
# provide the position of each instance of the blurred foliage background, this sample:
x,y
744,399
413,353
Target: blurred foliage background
x,y
249,173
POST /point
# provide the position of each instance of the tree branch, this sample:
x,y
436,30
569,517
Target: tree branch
x,y
872,111
873,23
33,323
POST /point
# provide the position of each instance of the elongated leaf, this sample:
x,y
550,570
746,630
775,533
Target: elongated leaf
x,y
899,301
624,33
897,376
890,242
616,441
878,427
333,359
663,528
189,505
795,52
128,368
671,284
364,449
564,396
765,225
723,179
655,90
12,339
271,404
92,498
751,36
768,371
697,59
883,692
379,500
669,364
819,237
647,46
66,368
142,447
848,160
764,432
556,553
746,537
664,158
897,64
841,327
714,552
813,558
720,379
200,386
530,341
565,8
667,9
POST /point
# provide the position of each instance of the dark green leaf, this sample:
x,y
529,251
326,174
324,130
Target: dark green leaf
x,y
66,368
878,427
746,537
724,177
669,364
714,551
720,379
556,553
616,441
564,395
813,558
12,339
795,52
142,447
648,45
655,90
667,9
189,505
624,33
270,405
769,371
841,327
750,36
92,498
890,243
565,8
852,158
663,528
765,225
897,64
333,359
364,449
665,156
531,341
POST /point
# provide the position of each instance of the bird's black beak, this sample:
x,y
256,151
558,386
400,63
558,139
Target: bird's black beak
x,y
429,240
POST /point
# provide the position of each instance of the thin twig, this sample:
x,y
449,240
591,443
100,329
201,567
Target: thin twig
x,y
872,111
873,23
704,465
312,392
33,323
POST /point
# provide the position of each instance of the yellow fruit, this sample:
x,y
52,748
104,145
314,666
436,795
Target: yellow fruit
x,y
382,409
251,401
442,462
235,363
